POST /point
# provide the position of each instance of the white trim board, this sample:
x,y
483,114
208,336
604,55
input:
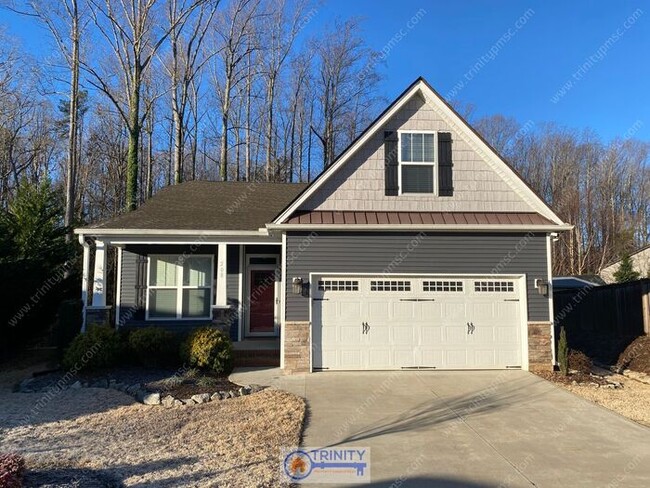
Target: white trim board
x,y
168,232
462,129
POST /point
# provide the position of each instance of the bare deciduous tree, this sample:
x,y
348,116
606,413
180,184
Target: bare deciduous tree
x,y
129,30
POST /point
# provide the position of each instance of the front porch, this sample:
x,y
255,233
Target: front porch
x,y
234,284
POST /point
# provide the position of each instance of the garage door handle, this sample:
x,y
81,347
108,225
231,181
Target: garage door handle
x,y
364,327
417,299
470,328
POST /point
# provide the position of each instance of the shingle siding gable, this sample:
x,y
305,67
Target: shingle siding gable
x,y
359,184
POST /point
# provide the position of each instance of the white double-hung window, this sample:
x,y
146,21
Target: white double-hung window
x,y
417,161
179,287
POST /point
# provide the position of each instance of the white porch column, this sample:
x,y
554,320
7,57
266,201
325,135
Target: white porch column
x,y
85,271
99,281
221,275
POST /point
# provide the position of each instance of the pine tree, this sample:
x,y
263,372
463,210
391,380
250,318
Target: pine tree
x,y
626,271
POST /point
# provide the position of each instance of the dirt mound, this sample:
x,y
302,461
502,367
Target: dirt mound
x,y
580,362
636,356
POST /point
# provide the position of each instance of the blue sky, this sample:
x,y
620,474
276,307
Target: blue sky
x,y
610,95
508,57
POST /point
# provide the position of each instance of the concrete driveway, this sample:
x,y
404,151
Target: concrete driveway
x,y
472,429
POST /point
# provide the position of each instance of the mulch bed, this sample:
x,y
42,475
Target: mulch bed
x,y
636,356
180,383
573,378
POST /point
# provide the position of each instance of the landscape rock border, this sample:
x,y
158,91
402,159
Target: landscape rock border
x,y
635,375
144,396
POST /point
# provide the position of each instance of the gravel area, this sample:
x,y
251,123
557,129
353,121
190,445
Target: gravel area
x,y
104,433
631,401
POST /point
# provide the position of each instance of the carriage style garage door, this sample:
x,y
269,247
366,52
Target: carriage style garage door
x,y
395,322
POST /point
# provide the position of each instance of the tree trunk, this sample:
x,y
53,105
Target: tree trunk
x,y
270,94
71,176
223,172
247,129
134,142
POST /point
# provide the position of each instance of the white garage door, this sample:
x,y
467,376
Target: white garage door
x,y
400,322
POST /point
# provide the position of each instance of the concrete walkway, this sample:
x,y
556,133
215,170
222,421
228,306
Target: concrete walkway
x,y
474,429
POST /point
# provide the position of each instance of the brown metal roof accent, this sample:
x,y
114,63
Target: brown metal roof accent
x,y
208,205
471,218
418,218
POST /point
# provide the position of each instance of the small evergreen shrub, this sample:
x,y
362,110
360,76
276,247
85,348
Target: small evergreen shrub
x,y
563,353
626,271
208,348
12,470
153,346
99,347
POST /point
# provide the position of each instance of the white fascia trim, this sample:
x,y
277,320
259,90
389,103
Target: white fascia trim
x,y
407,228
170,232
345,156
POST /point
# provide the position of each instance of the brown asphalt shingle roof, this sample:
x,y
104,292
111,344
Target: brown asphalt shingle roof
x,y
209,205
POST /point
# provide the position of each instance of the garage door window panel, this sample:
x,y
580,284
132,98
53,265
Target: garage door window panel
x,y
494,286
442,286
384,285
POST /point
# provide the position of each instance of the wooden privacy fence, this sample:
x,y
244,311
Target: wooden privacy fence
x,y
602,320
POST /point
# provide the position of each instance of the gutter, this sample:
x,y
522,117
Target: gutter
x,y
417,227
168,232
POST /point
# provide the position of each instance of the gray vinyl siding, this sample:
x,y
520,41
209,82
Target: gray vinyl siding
x,y
381,253
133,286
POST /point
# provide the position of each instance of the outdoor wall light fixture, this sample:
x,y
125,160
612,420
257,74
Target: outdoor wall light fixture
x,y
542,287
297,285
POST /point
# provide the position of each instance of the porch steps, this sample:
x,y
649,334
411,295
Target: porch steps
x,y
257,352
256,357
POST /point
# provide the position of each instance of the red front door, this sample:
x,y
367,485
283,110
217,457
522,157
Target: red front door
x,y
262,301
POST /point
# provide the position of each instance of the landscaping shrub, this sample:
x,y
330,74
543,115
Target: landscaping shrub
x,y
68,323
563,353
99,347
12,470
208,348
580,362
154,346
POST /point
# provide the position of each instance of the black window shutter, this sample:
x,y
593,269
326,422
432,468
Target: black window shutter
x,y
390,163
445,165
140,287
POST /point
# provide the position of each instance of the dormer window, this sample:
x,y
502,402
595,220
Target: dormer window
x,y
417,161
